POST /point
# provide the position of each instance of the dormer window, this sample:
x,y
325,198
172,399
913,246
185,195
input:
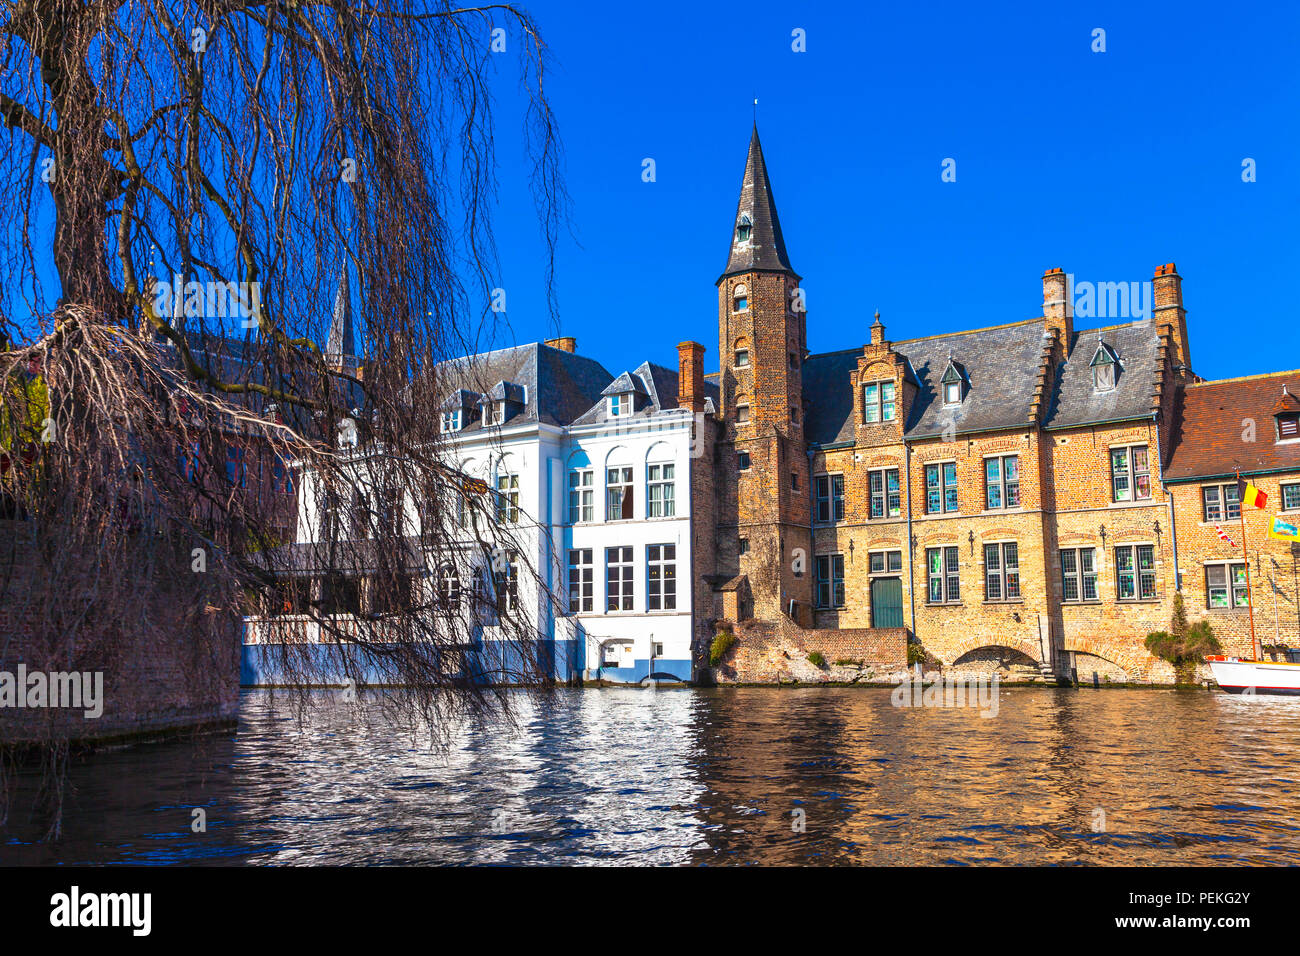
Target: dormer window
x,y
451,421
741,299
498,413
1286,412
953,384
743,229
1103,366
620,405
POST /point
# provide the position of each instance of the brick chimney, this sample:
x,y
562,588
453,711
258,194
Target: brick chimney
x,y
1169,314
690,376
566,343
1056,305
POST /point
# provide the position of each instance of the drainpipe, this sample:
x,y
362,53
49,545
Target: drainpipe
x,y
697,424
911,577
812,544
1169,497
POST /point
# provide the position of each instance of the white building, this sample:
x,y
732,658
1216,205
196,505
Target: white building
x,y
590,473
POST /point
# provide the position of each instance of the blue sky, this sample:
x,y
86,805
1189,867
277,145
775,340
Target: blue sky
x,y
1107,164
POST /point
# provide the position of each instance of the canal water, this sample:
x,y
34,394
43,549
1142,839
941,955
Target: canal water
x,y
726,776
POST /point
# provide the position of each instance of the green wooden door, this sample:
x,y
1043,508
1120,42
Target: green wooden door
x,y
887,602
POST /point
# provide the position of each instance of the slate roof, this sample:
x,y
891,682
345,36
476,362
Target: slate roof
x,y
765,249
623,384
1074,401
1001,369
558,386
1208,439
657,383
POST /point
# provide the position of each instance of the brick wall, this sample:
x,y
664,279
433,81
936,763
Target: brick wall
x,y
777,652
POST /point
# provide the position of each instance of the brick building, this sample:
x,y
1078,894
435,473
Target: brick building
x,y
1010,494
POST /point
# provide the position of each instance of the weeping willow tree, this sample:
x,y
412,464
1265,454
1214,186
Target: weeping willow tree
x,y
185,183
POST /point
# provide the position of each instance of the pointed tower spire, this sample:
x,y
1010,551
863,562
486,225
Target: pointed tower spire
x,y
756,240
340,348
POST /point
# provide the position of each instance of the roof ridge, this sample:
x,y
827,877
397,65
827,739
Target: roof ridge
x,y
1241,378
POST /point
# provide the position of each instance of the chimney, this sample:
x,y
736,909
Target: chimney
x,y
690,376
1056,305
566,343
1169,314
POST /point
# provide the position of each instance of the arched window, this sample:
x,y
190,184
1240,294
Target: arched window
x,y
448,588
661,482
742,408
740,299
742,352
618,485
744,228
582,488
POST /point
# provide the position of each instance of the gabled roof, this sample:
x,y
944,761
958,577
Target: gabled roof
x,y
1000,367
656,383
1210,439
623,384
765,248
461,398
556,386
1075,399
504,391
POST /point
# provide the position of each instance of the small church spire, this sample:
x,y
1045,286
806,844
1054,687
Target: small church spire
x,y
756,240
340,348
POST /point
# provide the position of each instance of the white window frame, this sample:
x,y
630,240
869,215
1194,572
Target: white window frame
x,y
620,579
661,576
661,478
507,499
581,581
625,480
582,495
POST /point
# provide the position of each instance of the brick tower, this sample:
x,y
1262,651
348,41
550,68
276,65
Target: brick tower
x,y
762,340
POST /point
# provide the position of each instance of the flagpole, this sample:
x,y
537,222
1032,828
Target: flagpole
x,y
1245,553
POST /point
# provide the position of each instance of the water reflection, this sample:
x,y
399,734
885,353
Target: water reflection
x,y
708,777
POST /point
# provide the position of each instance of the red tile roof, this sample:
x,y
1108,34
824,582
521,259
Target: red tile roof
x,y
1214,423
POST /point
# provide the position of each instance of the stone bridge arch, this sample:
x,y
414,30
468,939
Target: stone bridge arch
x,y
951,653
1135,659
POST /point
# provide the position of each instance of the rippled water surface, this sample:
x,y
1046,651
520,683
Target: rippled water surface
x,y
707,777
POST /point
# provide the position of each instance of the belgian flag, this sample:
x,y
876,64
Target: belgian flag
x,y
1250,495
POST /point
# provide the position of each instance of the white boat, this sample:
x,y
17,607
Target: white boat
x,y
1244,676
